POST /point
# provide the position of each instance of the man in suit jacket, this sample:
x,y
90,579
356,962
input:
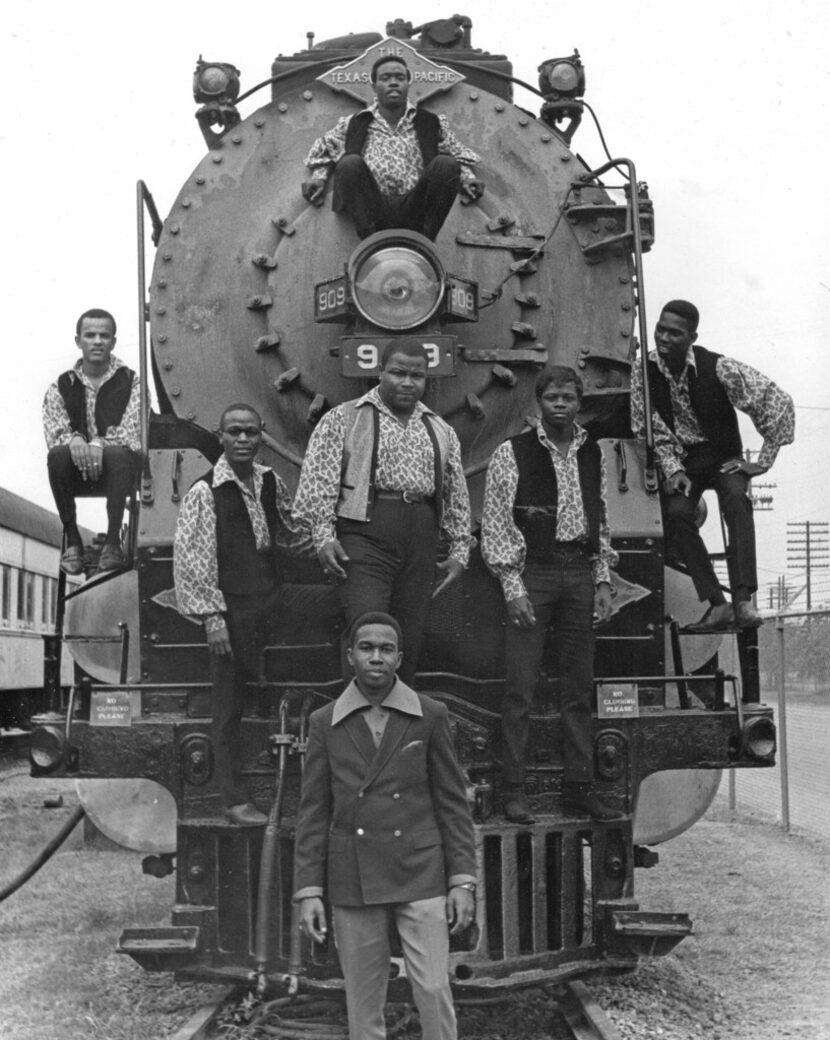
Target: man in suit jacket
x,y
385,829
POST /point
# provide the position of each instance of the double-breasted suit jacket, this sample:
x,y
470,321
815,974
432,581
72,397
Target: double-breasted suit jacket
x,y
382,825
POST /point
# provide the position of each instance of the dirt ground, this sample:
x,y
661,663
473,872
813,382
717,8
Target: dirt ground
x,y
756,968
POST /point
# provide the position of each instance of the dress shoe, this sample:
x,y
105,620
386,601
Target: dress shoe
x,y
111,559
72,561
246,815
516,809
720,618
580,799
747,616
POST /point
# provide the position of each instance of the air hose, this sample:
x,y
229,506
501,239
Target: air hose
x,y
45,854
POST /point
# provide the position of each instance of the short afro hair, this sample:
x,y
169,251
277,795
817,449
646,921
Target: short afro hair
x,y
373,75
374,617
685,310
558,375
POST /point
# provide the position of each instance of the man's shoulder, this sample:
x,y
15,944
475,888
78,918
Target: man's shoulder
x,y
431,707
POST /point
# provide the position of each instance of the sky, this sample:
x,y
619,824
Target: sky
x,y
723,106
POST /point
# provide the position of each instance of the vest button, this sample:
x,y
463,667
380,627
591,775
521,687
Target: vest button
x,y
360,831
396,796
359,794
397,834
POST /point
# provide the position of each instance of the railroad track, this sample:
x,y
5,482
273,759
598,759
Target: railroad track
x,y
311,1018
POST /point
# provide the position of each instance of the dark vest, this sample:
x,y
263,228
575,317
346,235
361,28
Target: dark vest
x,y
718,419
427,130
110,402
534,508
243,570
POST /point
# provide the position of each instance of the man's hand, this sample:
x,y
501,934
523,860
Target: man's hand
x,y
602,601
520,613
313,918
314,192
331,556
461,909
751,469
219,641
452,571
473,190
679,483
87,457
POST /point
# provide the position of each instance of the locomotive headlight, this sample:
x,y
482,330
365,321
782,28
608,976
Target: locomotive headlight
x,y
215,81
562,77
396,279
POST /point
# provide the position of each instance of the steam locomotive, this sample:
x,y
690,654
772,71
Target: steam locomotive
x,y
257,296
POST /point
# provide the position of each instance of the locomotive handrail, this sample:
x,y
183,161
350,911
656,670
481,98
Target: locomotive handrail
x,y
650,476
144,198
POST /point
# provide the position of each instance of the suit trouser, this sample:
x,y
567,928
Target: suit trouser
x,y
119,467
362,937
562,595
702,466
424,209
392,568
254,622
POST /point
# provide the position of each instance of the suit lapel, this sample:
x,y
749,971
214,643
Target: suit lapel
x,y
394,733
358,731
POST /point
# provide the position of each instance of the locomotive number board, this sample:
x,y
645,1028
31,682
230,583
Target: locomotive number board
x,y
360,356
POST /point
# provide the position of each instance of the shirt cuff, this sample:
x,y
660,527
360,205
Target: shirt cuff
x,y
459,879
213,622
512,586
322,534
309,892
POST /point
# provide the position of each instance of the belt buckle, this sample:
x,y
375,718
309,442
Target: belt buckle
x,y
410,497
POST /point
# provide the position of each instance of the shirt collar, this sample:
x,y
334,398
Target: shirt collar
x,y
373,397
579,438
223,473
400,697
115,363
661,364
407,117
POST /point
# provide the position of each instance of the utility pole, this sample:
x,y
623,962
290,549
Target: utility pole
x,y
807,544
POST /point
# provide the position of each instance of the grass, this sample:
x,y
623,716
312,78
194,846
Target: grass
x,y
60,978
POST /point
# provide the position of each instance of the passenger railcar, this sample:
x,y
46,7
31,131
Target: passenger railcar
x,y
30,544
257,296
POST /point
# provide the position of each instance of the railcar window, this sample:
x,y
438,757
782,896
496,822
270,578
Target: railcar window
x,y
5,593
26,597
48,601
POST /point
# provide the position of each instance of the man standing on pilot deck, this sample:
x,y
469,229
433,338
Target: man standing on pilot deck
x,y
395,165
381,481
229,558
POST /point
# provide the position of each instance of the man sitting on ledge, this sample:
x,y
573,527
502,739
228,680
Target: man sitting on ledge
x,y
91,421
395,165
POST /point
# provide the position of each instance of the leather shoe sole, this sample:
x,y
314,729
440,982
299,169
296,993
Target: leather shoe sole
x,y
72,561
246,815
746,616
716,619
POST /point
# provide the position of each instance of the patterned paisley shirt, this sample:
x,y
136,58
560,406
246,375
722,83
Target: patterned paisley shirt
x,y
56,428
768,406
502,543
195,568
405,462
391,153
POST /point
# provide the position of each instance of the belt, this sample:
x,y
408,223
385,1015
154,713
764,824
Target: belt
x,y
411,497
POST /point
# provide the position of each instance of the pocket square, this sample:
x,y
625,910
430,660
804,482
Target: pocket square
x,y
412,745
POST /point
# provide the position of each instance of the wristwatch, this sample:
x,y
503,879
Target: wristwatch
x,y
469,885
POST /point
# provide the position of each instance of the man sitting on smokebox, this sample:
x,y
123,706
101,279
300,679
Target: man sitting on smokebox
x,y
229,562
395,165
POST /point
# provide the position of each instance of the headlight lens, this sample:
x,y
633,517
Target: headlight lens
x,y
759,739
563,78
46,746
396,284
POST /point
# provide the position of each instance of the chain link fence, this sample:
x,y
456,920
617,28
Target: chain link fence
x,y
796,792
